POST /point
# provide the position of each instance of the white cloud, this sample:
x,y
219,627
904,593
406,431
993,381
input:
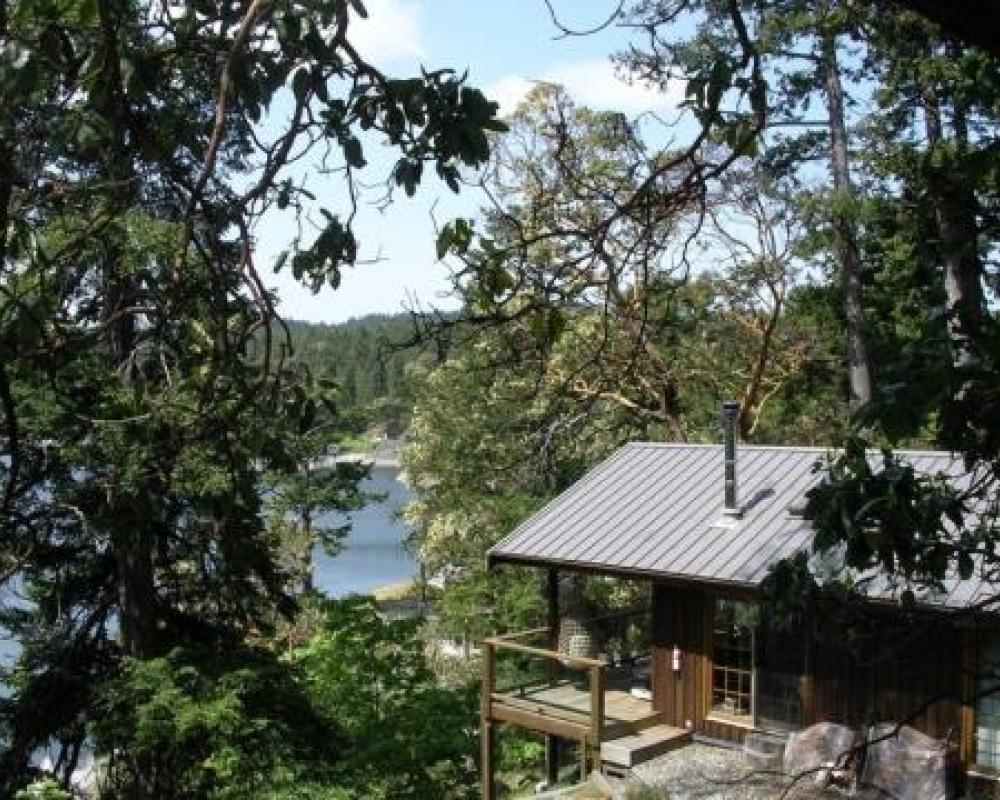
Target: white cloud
x,y
391,32
508,92
594,83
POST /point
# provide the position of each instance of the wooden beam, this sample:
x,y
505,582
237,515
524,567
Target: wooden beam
x,y
809,669
596,702
552,588
551,740
551,759
489,676
509,637
542,708
543,723
578,662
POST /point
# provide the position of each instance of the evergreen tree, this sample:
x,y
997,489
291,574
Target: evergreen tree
x,y
144,378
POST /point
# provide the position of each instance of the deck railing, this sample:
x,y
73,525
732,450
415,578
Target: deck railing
x,y
508,707
513,659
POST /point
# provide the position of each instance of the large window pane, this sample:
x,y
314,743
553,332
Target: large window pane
x,y
732,657
988,702
780,666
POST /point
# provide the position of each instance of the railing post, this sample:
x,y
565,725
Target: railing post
x,y
596,712
552,669
486,732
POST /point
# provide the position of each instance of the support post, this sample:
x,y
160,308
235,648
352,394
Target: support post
x,y
552,592
596,714
486,732
488,779
551,741
551,759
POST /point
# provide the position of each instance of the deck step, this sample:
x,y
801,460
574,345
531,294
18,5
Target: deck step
x,y
627,751
615,728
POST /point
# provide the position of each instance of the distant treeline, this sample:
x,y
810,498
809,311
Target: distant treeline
x,y
366,359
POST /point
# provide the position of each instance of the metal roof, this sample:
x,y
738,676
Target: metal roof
x,y
655,510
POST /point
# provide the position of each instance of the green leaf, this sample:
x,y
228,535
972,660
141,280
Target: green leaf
x,y
353,152
300,83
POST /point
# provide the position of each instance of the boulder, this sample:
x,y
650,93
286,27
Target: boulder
x,y
824,749
904,762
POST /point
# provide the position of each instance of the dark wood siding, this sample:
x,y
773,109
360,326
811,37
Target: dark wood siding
x,y
680,619
912,671
922,679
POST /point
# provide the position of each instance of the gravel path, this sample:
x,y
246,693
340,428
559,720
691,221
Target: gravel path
x,y
703,772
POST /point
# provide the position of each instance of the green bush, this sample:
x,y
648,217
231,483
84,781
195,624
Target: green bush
x,y
43,790
356,713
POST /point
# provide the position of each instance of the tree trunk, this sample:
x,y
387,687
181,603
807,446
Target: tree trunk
x,y
962,267
133,535
308,583
845,236
136,594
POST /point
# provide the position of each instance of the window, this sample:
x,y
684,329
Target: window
x,y
779,660
732,659
757,667
988,703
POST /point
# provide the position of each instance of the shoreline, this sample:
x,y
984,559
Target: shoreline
x,y
400,590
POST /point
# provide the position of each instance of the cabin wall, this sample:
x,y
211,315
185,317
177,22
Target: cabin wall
x,y
680,619
923,680
918,677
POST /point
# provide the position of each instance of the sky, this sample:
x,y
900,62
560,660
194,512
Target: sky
x,y
505,45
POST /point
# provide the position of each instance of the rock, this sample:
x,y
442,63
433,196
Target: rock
x,y
823,748
907,763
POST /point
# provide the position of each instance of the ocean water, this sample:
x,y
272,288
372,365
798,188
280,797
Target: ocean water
x,y
373,553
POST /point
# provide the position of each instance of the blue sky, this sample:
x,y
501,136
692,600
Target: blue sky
x,y
504,45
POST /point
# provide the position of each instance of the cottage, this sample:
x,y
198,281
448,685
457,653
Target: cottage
x,y
673,515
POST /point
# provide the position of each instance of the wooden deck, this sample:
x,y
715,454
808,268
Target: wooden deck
x,y
630,734
623,713
614,729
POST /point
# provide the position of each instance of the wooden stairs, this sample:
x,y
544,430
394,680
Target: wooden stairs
x,y
626,746
625,752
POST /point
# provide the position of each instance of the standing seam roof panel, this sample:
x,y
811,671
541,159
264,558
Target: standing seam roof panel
x,y
638,495
799,480
704,532
528,534
573,529
719,548
657,523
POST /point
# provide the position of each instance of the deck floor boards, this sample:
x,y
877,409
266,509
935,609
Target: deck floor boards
x,y
632,731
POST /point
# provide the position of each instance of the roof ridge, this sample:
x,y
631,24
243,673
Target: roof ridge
x,y
785,448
